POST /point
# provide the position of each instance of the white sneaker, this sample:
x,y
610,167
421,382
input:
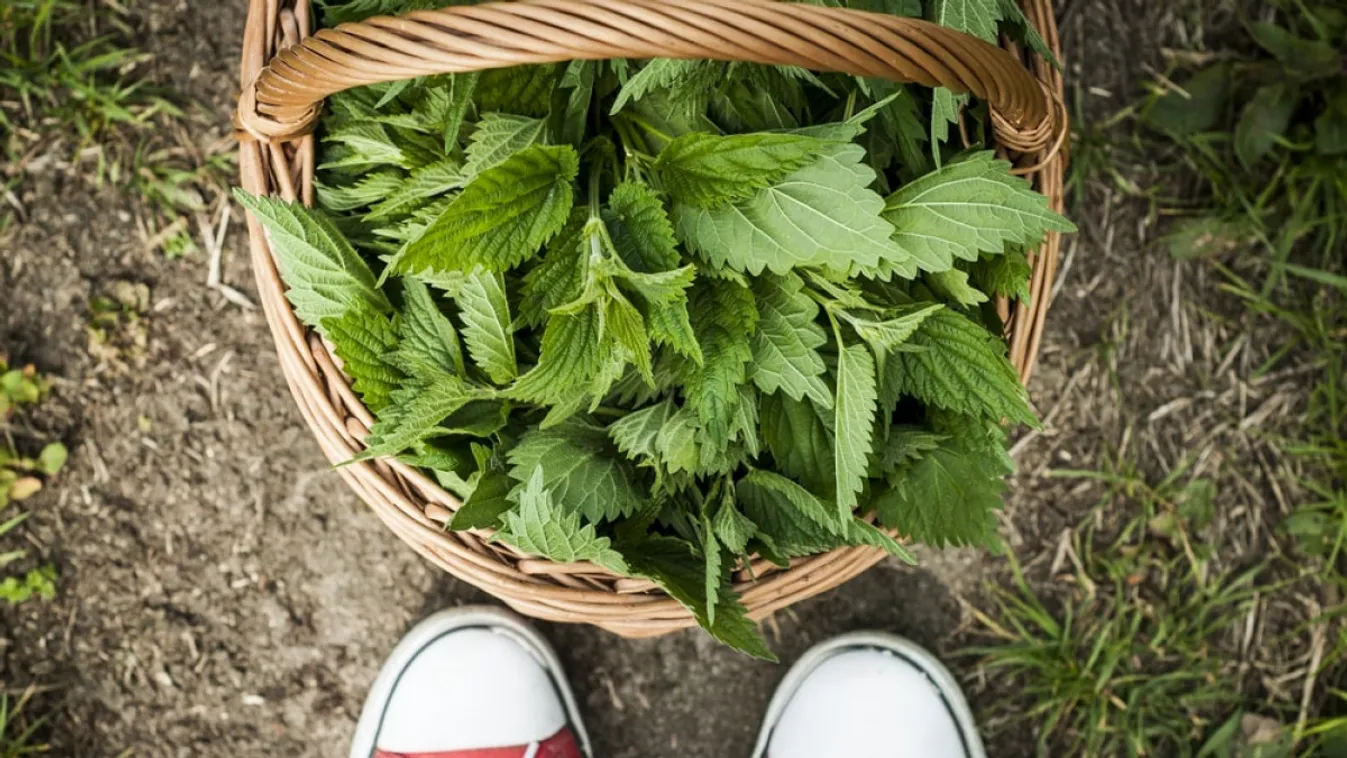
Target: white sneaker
x,y
868,695
471,683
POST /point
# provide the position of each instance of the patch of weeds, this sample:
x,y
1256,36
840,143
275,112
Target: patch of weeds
x,y
1129,659
18,727
1262,138
21,477
70,81
118,334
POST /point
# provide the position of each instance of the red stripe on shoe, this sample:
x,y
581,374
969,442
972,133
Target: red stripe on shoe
x,y
560,745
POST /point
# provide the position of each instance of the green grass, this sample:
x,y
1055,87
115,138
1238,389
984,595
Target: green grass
x,y
1126,658
19,729
68,74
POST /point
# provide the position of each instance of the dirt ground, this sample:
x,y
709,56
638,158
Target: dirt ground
x,y
222,594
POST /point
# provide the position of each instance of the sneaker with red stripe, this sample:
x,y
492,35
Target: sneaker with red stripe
x,y
471,683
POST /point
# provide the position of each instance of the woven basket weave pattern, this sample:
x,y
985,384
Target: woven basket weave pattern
x,y
287,70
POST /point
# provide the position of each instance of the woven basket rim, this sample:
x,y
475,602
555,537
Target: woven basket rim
x,y
277,157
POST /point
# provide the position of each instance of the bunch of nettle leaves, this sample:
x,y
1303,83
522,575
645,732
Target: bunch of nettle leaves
x,y
662,316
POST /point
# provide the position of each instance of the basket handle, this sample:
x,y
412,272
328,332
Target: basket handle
x,y
284,101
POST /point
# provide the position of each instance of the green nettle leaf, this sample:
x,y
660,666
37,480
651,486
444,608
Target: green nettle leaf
x,y
641,229
796,519
678,570
623,324
525,90
709,171
424,183
1004,275
560,276
1022,30
960,367
733,528
579,467
577,85
444,105
502,217
800,443
637,433
487,326
324,275
571,356
644,239
416,412
907,445
945,498
823,215
853,422
364,339
489,500
369,190
888,335
660,73
725,318
499,136
785,346
1264,121
428,342
370,144
677,442
964,209
954,285
545,528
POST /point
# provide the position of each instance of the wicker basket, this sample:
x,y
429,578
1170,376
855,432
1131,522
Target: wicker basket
x,y
286,73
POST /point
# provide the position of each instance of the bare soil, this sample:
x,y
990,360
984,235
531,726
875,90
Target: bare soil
x,y
222,594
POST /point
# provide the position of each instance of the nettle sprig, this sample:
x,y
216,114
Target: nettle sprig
x,y
663,316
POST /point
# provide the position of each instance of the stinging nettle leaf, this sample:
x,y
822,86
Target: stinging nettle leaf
x,y
954,285
571,356
363,339
579,468
853,423
502,217
487,326
945,498
487,503
427,342
724,319
497,137
424,183
964,209
785,345
544,528
709,171
890,334
961,368
324,274
416,413
823,215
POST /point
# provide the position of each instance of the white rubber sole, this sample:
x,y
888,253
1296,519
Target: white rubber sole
x,y
497,620
909,651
